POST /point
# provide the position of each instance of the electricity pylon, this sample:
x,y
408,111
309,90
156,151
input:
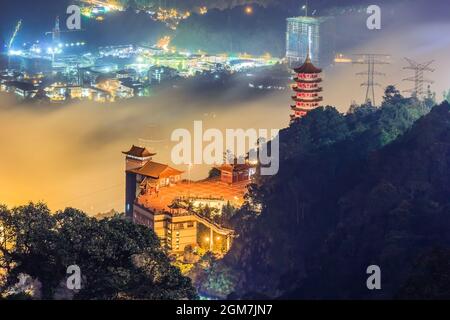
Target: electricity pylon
x,y
418,79
371,60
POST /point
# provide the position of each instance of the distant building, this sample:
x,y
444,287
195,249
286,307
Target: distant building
x,y
233,173
97,94
36,65
159,74
24,90
137,87
315,32
61,92
127,74
116,88
5,80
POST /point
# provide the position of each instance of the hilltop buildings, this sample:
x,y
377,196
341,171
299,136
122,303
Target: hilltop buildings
x,y
155,193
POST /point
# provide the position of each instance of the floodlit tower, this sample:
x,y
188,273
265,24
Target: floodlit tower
x,y
297,39
371,60
320,29
418,79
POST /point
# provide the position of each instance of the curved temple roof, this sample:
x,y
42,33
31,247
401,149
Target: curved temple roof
x,y
139,152
307,67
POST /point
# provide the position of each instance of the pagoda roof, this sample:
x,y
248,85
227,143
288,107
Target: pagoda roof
x,y
317,80
138,152
318,99
295,108
297,89
307,67
157,170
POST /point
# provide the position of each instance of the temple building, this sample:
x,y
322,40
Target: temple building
x,y
144,176
155,190
307,89
236,172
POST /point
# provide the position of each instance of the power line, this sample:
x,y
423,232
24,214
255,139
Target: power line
x,y
89,194
371,60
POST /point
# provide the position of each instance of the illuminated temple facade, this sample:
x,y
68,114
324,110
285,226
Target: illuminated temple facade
x,y
153,191
307,89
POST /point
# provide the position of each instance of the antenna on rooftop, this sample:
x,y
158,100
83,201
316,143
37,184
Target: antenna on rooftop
x,y
305,7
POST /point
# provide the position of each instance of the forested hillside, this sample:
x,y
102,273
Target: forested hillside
x,y
117,259
369,187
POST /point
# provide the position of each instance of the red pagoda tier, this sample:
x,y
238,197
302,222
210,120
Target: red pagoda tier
x,y
307,89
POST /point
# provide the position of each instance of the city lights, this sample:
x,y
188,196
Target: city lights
x,y
15,52
194,150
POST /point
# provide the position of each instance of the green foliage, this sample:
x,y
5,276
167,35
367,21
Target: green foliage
x,y
118,259
446,95
185,268
392,95
219,281
207,211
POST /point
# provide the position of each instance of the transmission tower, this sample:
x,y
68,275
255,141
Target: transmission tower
x,y
371,60
418,79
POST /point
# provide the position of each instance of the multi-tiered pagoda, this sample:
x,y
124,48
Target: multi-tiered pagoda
x,y
307,89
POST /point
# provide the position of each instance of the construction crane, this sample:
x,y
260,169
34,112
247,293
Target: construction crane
x,y
16,31
11,41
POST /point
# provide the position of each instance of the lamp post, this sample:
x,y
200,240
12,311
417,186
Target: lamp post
x,y
189,177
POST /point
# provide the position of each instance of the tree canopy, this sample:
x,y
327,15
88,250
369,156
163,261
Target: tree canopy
x,y
117,258
367,187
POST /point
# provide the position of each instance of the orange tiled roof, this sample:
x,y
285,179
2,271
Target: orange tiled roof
x,y
234,167
139,152
157,170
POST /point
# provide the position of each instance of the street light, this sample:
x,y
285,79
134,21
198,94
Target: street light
x,y
190,165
